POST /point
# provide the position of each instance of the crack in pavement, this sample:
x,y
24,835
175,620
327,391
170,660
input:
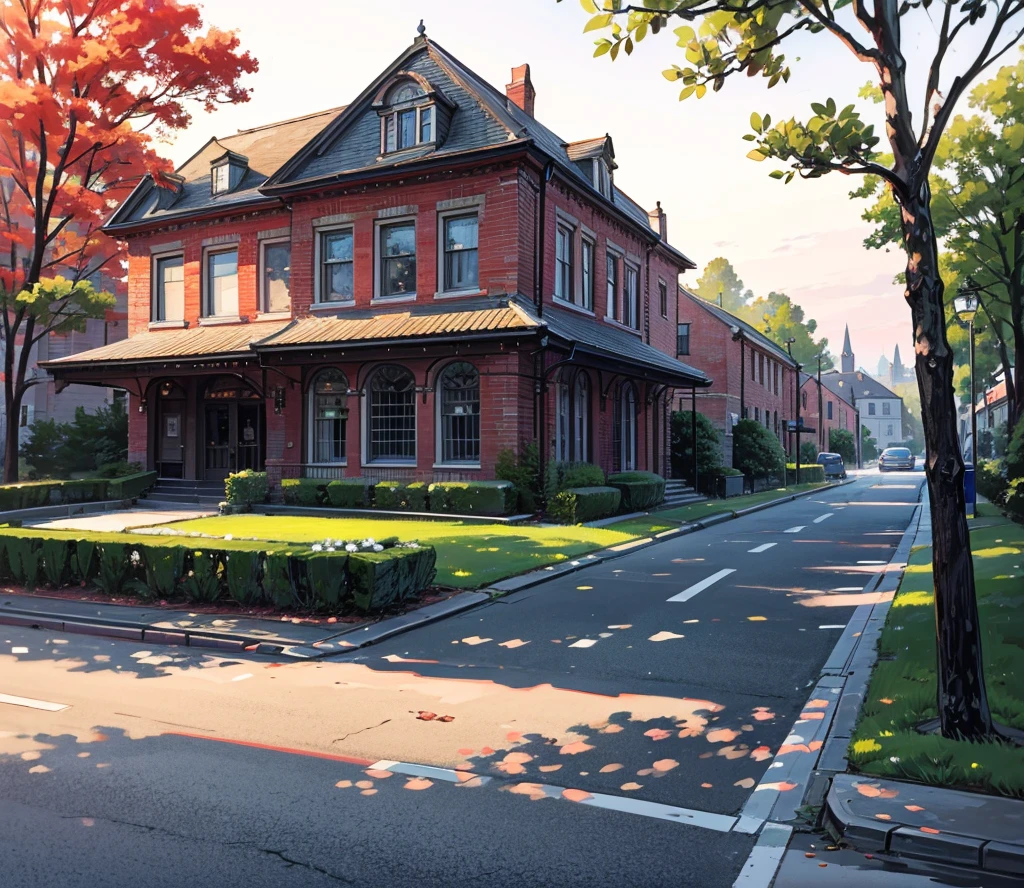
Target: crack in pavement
x,y
360,731
310,866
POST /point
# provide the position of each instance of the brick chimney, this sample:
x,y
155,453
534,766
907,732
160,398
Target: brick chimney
x,y
521,90
659,221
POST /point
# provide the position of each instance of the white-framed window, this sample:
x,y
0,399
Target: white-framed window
x,y
460,259
885,408
581,418
888,430
563,262
168,300
220,178
275,275
406,121
335,249
563,406
587,252
328,417
391,415
458,403
871,408
396,259
612,284
221,283
630,297
602,177
625,437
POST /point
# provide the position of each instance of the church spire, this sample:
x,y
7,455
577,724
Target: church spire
x,y
847,355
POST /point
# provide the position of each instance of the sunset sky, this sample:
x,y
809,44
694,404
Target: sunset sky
x,y
803,238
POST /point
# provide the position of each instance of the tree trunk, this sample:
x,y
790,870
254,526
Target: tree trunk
x,y
963,701
13,408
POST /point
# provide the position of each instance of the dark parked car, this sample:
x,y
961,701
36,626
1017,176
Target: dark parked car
x,y
896,459
833,465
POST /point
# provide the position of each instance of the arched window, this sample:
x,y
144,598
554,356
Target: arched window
x,y
391,415
328,417
407,120
562,410
581,417
625,429
459,405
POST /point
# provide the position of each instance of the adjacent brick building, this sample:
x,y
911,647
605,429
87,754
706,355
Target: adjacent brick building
x,y
836,411
753,378
400,288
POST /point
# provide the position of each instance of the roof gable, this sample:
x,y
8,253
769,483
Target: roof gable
x,y
750,332
856,385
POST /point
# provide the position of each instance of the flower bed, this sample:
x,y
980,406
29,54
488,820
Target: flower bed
x,y
335,576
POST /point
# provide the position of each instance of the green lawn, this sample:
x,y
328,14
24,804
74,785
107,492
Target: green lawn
x,y
902,692
468,555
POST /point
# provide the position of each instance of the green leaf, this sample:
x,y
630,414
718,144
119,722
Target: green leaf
x,y
819,109
767,122
686,35
687,92
776,174
749,137
757,154
615,50
701,89
755,122
603,45
589,6
830,106
598,22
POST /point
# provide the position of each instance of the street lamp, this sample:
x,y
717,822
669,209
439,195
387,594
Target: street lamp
x,y
821,415
966,307
796,403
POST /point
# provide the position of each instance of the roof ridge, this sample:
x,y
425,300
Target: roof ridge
x,y
301,117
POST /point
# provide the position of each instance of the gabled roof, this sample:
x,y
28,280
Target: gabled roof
x,y
843,395
857,385
587,149
751,333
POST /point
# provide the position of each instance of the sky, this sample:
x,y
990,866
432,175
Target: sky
x,y
804,238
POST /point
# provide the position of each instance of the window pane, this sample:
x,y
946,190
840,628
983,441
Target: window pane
x,y
389,133
338,246
330,417
277,273
223,280
392,415
613,287
629,308
398,259
461,255
337,284
563,263
427,124
404,92
221,178
663,298
460,414
170,289
683,339
587,273
407,128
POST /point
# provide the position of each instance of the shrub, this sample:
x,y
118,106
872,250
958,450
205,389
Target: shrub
x,y
303,491
756,452
559,476
582,504
327,577
990,482
868,445
709,445
246,488
380,579
164,567
113,568
808,452
90,441
1014,460
24,555
129,487
396,496
841,441
524,473
811,473
85,491
1014,498
640,490
119,469
473,497
349,493
243,571
205,581
279,580
56,561
83,564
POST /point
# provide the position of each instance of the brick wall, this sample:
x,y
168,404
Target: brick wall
x,y
843,414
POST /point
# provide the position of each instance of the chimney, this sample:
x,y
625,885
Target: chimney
x,y
659,221
521,90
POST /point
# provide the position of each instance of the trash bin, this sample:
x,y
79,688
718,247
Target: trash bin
x,y
969,490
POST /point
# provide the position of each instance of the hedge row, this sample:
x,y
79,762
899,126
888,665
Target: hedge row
x,y
492,498
640,490
304,580
44,493
581,504
809,474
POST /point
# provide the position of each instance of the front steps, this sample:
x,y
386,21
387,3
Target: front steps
x,y
170,493
678,493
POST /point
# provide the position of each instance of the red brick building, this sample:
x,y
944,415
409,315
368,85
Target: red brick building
x,y
400,288
835,412
753,377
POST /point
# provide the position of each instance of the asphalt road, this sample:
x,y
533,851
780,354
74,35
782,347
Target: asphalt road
x,y
566,718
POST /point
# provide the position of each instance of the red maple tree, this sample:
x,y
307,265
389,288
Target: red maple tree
x,y
85,86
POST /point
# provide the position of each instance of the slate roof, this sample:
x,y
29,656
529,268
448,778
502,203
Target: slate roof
x,y
841,394
749,331
858,383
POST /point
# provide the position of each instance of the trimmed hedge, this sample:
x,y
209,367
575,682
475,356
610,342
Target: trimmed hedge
x,y
640,490
350,493
306,580
130,486
559,476
582,504
473,497
246,488
304,491
35,494
813,473
396,496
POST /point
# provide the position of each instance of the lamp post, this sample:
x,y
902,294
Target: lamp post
x,y
821,414
966,307
796,404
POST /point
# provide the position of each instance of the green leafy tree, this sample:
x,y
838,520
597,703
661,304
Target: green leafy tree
x,y
868,445
781,319
748,37
808,452
841,441
709,446
756,452
721,285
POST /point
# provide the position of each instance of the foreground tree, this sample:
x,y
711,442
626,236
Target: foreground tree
x,y
83,84
747,37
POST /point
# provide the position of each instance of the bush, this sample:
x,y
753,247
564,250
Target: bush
x,y
709,445
113,570
130,487
164,567
841,441
559,476
1014,460
1014,498
396,496
581,504
808,452
24,557
524,473
868,445
303,491
119,469
473,497
328,578
810,473
380,579
349,493
90,441
56,554
990,483
246,488
243,573
756,452
205,581
640,490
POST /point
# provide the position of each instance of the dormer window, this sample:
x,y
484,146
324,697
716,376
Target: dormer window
x,y
412,114
602,177
221,179
227,171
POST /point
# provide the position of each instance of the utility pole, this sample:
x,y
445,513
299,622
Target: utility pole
x,y
821,415
796,399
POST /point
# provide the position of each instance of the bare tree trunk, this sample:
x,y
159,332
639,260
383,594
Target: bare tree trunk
x,y
963,701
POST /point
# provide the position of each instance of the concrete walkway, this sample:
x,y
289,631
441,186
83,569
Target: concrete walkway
x,y
119,522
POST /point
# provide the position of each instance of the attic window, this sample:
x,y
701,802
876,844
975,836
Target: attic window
x,y
226,172
221,179
602,177
407,118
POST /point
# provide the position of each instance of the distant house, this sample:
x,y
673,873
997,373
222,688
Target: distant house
x,y
837,410
881,409
992,411
754,378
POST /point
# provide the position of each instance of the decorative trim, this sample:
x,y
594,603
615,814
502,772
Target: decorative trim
x,y
455,294
217,321
388,300
168,325
166,247
219,239
336,219
327,307
472,467
392,212
274,233
461,203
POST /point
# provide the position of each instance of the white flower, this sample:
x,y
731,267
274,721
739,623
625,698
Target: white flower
x,y
377,548
136,558
368,542
339,543
228,536
412,545
330,548
317,547
351,547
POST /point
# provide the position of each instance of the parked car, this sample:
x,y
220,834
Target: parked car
x,y
833,465
896,459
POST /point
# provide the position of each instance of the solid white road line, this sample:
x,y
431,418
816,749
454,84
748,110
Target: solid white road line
x,y
764,547
412,770
687,594
796,529
821,518
45,705
841,626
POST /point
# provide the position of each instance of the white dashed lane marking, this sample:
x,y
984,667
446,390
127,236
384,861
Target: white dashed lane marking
x,y
687,594
764,547
796,529
45,705
821,518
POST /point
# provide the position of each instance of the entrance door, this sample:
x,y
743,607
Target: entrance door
x,y
221,422
248,437
169,431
